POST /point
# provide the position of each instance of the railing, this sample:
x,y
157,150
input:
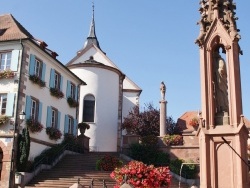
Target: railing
x,y
92,183
57,153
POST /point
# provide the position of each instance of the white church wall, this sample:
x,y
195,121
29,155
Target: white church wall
x,y
103,84
130,100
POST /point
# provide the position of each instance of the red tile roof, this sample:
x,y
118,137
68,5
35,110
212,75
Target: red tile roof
x,y
183,121
11,29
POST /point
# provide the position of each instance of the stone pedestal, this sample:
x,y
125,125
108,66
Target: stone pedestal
x,y
222,118
223,159
163,115
83,141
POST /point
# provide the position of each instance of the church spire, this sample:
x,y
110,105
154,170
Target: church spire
x,y
92,39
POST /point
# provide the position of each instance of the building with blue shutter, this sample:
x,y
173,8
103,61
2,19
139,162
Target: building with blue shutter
x,y
32,80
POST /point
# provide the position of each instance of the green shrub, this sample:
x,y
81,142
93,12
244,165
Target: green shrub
x,y
188,171
23,150
108,163
148,154
149,140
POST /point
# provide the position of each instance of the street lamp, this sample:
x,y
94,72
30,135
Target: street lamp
x,y
22,116
14,149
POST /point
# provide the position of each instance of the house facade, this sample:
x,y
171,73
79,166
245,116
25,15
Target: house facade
x,y
32,81
109,96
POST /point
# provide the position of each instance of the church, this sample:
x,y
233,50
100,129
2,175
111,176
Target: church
x,y
108,96
35,88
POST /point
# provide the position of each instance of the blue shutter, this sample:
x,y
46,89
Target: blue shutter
x,y
28,107
43,72
58,119
40,112
49,114
61,83
10,104
68,89
76,92
14,60
66,124
32,64
75,127
52,78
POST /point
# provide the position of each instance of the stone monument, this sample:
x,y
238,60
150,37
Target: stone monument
x,y
222,132
163,111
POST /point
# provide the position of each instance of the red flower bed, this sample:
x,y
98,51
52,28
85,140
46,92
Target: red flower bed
x,y
141,175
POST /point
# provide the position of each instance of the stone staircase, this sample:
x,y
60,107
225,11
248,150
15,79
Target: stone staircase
x,y
81,167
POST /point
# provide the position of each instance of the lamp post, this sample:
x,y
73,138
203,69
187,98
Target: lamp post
x,y
22,116
14,149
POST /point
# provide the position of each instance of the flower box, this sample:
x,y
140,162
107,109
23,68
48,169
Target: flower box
x,y
4,120
194,122
72,102
56,93
34,126
171,140
36,80
53,133
7,74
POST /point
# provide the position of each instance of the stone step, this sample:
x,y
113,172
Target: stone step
x,y
82,166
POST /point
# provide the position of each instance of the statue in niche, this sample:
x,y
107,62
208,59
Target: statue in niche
x,y
220,84
163,91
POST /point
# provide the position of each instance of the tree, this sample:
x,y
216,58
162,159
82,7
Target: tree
x,y
147,122
23,150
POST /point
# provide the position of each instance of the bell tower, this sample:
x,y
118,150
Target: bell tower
x,y
222,132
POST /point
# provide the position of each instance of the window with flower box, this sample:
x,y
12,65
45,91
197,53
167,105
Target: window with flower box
x,y
37,70
9,60
70,125
3,103
5,60
7,104
71,94
33,109
56,83
53,117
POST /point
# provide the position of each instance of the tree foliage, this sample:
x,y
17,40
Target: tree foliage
x,y
147,122
23,150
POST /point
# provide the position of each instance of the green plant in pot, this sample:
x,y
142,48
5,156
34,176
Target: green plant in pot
x,y
83,126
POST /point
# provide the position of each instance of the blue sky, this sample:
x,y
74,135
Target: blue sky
x,y
150,41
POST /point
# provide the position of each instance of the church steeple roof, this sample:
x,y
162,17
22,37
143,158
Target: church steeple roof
x,y
92,39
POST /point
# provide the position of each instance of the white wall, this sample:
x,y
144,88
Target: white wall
x,y
104,85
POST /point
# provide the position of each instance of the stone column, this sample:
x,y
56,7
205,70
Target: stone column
x,y
163,115
163,110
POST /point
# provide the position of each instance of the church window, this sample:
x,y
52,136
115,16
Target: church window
x,y
89,108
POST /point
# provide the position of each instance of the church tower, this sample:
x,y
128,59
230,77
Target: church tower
x,y
222,132
108,96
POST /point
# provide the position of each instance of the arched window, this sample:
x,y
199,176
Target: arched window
x,y
89,108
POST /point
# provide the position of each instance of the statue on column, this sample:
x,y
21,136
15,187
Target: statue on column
x,y
220,84
163,91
